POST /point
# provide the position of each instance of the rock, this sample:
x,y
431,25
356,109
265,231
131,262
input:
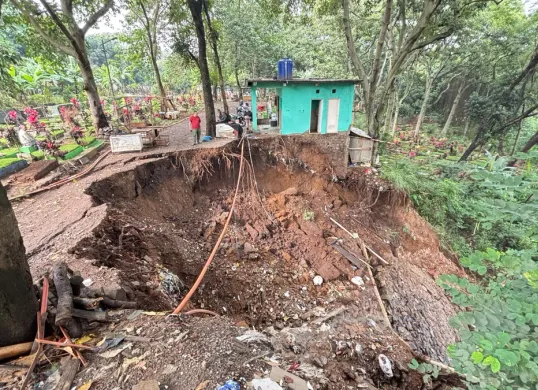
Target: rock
x,y
386,365
287,256
249,248
318,280
320,361
358,349
279,325
222,218
350,374
357,280
292,191
253,232
147,385
337,203
253,256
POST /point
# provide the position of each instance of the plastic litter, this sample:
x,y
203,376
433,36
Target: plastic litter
x,y
318,280
207,138
265,384
357,280
385,365
229,385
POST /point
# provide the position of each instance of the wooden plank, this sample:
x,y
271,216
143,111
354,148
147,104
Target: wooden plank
x,y
350,256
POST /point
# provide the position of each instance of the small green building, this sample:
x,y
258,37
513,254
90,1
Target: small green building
x,y
300,106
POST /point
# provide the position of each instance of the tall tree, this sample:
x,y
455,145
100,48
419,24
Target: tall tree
x,y
404,27
18,304
213,40
153,17
60,28
196,9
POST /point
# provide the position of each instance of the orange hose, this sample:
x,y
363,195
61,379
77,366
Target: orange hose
x,y
216,247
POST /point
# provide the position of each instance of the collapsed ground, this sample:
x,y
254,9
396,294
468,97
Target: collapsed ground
x,y
149,230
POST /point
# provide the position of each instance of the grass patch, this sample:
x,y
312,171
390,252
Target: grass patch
x,y
9,152
6,162
68,147
38,155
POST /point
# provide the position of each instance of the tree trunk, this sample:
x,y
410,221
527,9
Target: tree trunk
x,y
517,138
472,146
530,143
424,106
159,82
500,146
18,303
98,115
214,45
396,113
467,125
195,7
453,110
238,84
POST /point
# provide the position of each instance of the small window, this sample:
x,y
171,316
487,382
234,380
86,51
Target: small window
x,y
317,90
334,90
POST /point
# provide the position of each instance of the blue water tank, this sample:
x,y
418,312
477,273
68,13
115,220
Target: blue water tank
x,y
289,68
281,69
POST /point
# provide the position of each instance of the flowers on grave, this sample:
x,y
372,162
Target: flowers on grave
x,y
12,115
75,102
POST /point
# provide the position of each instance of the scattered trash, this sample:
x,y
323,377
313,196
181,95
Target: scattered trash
x,y
87,282
292,381
287,294
358,349
357,280
155,313
230,385
170,282
206,138
252,336
385,365
109,342
318,280
265,384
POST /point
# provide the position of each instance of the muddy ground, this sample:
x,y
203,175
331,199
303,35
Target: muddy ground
x,y
149,225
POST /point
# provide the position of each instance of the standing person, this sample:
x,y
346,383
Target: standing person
x,y
195,122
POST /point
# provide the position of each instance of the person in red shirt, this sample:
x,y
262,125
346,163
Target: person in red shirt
x,y
195,122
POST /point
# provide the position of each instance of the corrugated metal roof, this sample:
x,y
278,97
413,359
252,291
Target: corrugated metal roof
x,y
359,132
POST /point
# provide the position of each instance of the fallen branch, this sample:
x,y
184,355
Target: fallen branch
x,y
87,303
117,304
349,255
376,255
99,316
69,371
64,293
11,351
64,344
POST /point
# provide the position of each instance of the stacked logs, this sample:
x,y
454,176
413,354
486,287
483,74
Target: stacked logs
x,y
74,306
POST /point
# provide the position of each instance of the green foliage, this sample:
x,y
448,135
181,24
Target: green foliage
x,y
471,207
499,344
429,371
5,162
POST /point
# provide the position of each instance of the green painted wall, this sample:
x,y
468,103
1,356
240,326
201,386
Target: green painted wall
x,y
296,103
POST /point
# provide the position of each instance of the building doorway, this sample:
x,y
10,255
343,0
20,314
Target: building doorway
x,y
332,115
315,116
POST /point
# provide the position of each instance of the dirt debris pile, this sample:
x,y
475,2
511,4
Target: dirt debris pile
x,y
277,271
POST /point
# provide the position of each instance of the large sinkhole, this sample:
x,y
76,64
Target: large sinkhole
x,y
164,218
